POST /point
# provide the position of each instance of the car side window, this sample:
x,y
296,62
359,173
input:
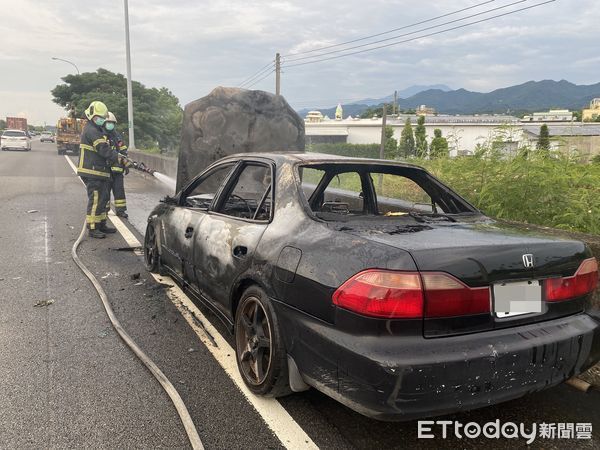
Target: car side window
x,y
201,194
250,195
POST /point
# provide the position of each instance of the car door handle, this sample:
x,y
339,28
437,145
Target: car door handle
x,y
240,251
189,231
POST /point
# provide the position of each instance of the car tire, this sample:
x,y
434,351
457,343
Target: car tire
x,y
151,255
260,351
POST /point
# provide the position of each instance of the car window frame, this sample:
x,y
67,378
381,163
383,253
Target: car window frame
x,y
372,166
231,182
203,176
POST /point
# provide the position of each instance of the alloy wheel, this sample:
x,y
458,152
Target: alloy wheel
x,y
253,341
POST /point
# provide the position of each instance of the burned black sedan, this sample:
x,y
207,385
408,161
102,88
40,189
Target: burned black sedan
x,y
376,284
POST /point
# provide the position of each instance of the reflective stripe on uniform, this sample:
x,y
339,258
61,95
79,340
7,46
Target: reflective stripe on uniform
x,y
87,147
92,172
116,169
120,202
92,218
101,140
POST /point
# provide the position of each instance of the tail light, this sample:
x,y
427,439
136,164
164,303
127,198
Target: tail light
x,y
380,293
582,283
446,297
410,295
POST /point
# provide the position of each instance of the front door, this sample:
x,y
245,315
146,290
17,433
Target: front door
x,y
228,236
182,223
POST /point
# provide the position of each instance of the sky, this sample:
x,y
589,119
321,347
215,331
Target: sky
x,y
192,46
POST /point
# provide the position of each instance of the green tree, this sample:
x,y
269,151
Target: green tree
x,y
407,140
2,124
439,145
157,113
391,144
543,142
421,138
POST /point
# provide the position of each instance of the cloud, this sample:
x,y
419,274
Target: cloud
x,y
191,47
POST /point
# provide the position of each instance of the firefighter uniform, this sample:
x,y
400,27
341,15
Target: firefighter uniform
x,y
95,158
118,169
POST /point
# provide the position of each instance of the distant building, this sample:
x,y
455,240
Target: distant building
x,y
463,133
581,137
425,110
554,115
314,117
339,112
593,112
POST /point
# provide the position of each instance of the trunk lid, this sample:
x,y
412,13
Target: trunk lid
x,y
481,253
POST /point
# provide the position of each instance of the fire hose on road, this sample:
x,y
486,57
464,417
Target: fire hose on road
x,y
184,414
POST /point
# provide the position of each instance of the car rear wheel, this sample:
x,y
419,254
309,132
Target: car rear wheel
x,y
151,256
260,351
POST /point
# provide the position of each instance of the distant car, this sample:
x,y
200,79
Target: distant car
x,y
47,137
376,284
15,140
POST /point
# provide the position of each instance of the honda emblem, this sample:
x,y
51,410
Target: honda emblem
x,y
528,260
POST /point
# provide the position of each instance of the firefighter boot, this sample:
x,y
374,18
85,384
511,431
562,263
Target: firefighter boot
x,y
105,229
96,234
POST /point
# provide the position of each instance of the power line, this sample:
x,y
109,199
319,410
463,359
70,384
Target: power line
x,y
260,79
421,37
390,31
257,73
411,33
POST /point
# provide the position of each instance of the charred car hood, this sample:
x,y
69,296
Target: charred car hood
x,y
478,253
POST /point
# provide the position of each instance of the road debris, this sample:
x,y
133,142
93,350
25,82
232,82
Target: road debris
x,y
44,303
139,283
135,276
31,211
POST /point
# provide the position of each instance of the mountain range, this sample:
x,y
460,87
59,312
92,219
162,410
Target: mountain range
x,y
523,98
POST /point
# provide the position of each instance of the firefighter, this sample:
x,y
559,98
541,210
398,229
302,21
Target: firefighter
x,y
119,168
95,159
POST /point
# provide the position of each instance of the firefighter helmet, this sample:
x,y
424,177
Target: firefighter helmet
x,y
96,109
111,117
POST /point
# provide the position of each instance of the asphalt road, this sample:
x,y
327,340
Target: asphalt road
x,y
67,380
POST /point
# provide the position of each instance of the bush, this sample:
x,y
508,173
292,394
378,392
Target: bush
x,y
554,192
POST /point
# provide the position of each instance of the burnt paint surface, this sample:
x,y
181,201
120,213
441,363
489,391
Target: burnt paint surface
x,y
385,368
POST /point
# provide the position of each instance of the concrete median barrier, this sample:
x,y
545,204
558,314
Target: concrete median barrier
x,y
163,164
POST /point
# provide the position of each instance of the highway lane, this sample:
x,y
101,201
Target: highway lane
x,y
67,380
71,383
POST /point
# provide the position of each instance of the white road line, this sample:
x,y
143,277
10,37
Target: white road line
x,y
287,430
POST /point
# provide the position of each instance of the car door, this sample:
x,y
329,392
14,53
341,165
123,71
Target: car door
x,y
181,222
228,236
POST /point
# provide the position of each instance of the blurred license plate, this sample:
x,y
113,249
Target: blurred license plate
x,y
516,298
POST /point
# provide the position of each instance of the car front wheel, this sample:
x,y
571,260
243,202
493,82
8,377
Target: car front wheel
x,y
260,351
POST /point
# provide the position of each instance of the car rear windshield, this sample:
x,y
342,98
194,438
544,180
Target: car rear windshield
x,y
14,134
337,191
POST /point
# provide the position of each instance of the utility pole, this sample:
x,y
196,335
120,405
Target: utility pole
x,y
277,74
383,123
129,89
395,102
382,146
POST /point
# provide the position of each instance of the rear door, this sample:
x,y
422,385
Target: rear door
x,y
226,239
180,224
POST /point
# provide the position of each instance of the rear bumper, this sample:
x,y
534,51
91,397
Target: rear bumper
x,y
408,377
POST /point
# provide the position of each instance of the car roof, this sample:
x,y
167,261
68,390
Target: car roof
x,y
13,130
310,157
